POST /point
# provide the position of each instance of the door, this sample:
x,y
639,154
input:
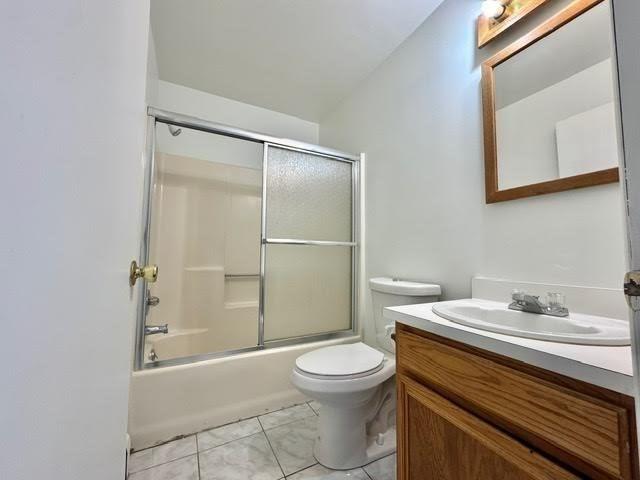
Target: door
x,y
442,441
73,128
626,17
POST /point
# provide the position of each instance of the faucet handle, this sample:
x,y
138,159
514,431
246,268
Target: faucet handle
x,y
555,300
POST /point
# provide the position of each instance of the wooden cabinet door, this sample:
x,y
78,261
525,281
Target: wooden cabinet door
x,y
441,441
592,435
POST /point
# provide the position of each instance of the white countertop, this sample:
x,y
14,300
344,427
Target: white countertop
x,y
608,367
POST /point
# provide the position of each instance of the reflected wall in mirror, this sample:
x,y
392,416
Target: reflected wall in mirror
x,y
549,111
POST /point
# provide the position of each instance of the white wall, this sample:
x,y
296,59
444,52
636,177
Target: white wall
x,y
153,76
188,101
73,123
205,146
418,117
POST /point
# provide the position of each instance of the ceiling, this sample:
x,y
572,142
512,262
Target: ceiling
x,y
300,57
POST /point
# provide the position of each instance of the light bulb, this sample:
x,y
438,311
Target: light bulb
x,y
492,8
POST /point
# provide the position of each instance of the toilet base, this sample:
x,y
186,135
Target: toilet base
x,y
352,437
373,452
356,423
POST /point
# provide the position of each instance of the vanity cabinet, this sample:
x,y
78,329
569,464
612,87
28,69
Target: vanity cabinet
x,y
465,413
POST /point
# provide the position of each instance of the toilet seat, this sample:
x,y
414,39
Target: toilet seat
x,y
340,377
341,362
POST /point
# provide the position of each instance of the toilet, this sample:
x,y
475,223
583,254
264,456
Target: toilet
x,y
355,384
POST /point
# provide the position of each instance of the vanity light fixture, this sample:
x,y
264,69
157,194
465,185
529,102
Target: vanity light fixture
x,y
496,16
493,8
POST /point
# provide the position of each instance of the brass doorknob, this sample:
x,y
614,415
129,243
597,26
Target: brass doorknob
x,y
148,272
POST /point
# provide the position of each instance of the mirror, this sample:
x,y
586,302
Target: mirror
x,y
549,107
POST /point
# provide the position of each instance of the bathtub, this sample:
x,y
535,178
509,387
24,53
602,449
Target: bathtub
x,y
171,401
175,344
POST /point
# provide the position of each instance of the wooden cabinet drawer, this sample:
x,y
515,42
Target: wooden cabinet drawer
x,y
588,433
440,440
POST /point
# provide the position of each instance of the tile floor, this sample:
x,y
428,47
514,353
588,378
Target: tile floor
x,y
269,447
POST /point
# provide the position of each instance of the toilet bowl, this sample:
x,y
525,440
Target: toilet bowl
x,y
355,384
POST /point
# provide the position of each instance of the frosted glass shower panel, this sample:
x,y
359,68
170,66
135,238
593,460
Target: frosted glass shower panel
x,y
309,197
307,290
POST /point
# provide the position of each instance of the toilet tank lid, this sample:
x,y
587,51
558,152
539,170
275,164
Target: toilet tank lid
x,y
403,287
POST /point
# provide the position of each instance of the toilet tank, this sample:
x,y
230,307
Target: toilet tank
x,y
391,292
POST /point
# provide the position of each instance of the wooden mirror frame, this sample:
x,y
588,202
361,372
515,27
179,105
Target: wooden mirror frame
x,y
493,194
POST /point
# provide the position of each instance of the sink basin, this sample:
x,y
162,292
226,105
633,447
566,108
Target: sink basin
x,y
496,317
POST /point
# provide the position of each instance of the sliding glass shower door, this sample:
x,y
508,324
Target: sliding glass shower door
x,y
308,243
255,244
204,235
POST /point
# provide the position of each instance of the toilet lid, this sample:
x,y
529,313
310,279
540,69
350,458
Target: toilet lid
x,y
341,360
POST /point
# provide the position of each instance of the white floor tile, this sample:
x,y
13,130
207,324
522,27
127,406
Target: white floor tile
x,y
182,469
162,453
314,405
286,415
318,472
140,460
383,469
174,450
293,444
249,458
227,433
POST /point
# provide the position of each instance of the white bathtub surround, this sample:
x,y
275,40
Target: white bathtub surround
x,y
247,450
185,399
608,367
205,309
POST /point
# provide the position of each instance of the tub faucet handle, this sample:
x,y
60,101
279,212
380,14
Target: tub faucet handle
x,y
155,329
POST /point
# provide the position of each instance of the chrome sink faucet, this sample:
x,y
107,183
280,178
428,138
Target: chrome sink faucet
x,y
525,302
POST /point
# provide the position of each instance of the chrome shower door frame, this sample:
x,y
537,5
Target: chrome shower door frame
x,y
170,118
